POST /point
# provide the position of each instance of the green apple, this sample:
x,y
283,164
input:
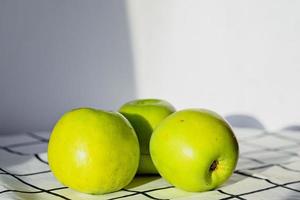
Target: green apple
x,y
194,149
144,115
93,151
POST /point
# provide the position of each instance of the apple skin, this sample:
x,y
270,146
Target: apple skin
x,y
93,151
194,150
144,115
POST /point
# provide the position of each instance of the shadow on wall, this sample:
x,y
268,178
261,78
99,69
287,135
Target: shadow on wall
x,y
292,128
57,55
244,121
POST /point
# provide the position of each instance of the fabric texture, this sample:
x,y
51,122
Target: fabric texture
x,y
268,168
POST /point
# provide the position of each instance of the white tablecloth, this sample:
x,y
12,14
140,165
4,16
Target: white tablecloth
x,y
268,168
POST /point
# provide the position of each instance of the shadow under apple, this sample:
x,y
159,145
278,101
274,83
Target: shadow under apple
x,y
142,180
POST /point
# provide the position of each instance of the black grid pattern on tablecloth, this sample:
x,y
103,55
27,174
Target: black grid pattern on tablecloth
x,y
252,144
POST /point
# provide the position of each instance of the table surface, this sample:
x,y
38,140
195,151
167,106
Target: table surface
x,y
268,168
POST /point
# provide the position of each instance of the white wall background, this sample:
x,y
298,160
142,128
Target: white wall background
x,y
235,57
57,55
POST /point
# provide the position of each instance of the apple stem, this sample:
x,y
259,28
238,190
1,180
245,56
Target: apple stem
x,y
213,166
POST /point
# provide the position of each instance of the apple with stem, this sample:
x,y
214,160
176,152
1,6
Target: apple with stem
x,y
93,151
194,149
145,115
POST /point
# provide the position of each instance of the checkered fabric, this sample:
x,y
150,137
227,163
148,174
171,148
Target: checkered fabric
x,y
268,168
